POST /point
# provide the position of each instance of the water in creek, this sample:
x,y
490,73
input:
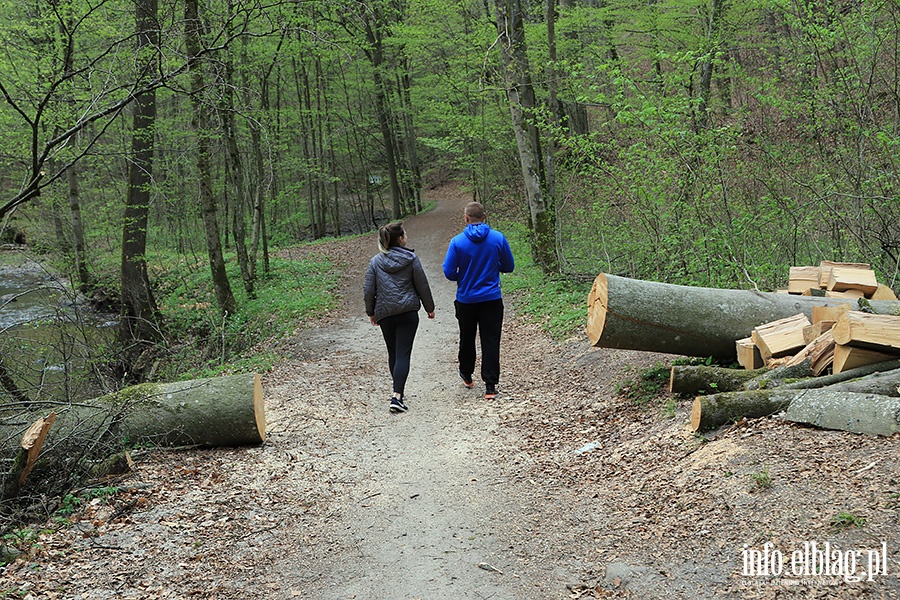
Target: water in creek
x,y
48,337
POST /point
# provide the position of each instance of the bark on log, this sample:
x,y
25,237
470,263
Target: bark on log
x,y
715,410
858,372
886,383
691,321
870,414
698,379
777,376
219,411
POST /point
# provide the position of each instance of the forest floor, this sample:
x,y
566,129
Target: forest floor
x,y
560,488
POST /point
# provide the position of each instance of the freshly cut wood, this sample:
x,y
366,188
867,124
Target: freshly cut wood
x,y
801,279
830,313
781,337
698,379
850,357
816,329
845,279
715,410
866,330
819,352
780,375
748,355
826,266
884,293
633,314
870,414
847,295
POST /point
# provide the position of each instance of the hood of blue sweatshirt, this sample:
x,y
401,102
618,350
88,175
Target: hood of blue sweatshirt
x,y
477,232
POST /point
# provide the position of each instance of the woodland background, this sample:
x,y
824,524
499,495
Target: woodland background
x,y
160,154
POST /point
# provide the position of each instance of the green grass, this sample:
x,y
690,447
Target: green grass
x,y
844,520
207,344
557,303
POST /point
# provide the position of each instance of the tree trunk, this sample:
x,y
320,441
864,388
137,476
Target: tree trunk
x,y
520,93
858,373
192,28
632,314
139,314
85,281
235,171
715,410
699,379
870,414
215,412
777,376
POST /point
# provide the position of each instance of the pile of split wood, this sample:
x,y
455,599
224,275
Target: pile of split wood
x,y
825,353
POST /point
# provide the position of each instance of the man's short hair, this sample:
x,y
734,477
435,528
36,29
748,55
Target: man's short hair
x,y
474,210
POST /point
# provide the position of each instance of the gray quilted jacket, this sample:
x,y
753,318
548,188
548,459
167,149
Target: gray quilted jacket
x,y
396,283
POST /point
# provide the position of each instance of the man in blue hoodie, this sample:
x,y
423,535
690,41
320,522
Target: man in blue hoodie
x,y
475,259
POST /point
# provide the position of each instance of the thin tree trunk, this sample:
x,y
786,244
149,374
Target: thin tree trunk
x,y
520,92
138,324
221,285
85,281
235,172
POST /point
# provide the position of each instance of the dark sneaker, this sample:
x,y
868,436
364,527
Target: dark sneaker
x,y
490,391
398,406
467,380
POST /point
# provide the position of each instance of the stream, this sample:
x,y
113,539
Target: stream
x,y
47,332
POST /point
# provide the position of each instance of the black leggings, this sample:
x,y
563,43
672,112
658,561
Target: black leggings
x,y
399,331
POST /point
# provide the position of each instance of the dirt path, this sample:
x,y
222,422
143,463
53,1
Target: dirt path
x,y
560,489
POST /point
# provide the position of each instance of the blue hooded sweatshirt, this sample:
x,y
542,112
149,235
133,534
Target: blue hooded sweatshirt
x,y
475,259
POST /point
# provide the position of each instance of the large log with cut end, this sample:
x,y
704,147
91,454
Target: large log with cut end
x,y
715,410
870,414
218,411
632,314
212,412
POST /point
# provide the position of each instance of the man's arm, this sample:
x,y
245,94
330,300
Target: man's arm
x,y
507,262
451,263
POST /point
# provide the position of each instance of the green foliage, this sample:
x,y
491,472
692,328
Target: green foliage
x,y
844,520
647,387
763,479
293,291
557,303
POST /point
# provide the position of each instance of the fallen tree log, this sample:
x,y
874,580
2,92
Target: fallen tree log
x,y
850,374
218,411
632,314
776,377
885,383
870,414
697,379
715,410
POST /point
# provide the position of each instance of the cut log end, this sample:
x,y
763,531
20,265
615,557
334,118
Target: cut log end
x,y
597,306
696,410
259,407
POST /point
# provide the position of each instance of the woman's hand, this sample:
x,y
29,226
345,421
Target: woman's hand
x,y
373,321
431,315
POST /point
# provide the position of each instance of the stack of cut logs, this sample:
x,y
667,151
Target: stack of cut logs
x,y
825,353
838,336
786,359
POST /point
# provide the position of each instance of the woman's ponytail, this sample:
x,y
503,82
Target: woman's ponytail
x,y
389,236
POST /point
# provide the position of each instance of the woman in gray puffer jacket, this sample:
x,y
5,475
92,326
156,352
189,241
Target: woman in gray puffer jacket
x,y
395,288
